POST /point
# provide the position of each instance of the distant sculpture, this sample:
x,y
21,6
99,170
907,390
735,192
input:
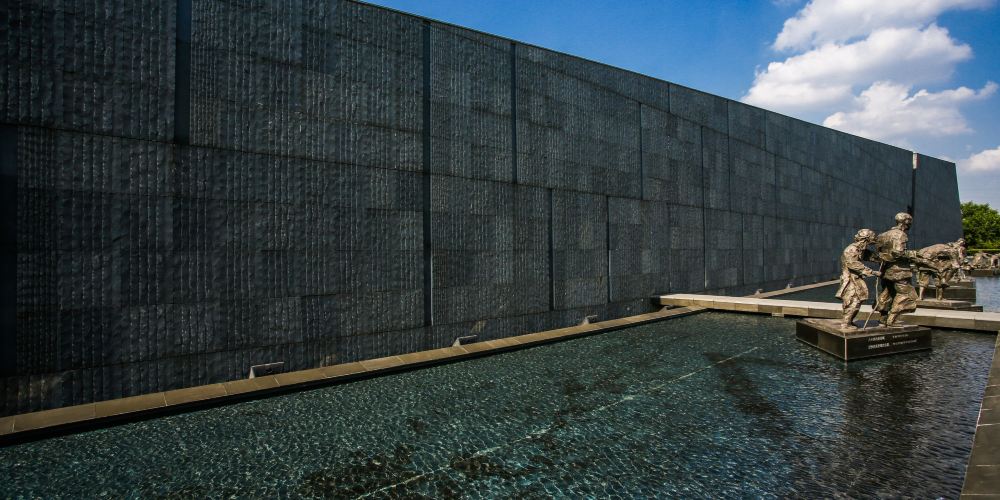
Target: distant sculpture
x,y
981,260
945,262
961,249
853,290
897,295
995,261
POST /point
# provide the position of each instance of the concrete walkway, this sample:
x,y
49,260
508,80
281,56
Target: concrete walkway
x,y
935,318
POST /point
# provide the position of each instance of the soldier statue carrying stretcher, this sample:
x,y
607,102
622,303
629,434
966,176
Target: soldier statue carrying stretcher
x,y
897,296
946,263
853,290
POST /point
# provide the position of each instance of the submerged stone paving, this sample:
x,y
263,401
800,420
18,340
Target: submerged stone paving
x,y
711,405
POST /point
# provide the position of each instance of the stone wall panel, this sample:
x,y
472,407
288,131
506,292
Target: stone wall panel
x,y
672,158
571,133
120,82
580,258
471,113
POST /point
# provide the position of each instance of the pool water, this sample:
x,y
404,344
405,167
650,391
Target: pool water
x,y
711,405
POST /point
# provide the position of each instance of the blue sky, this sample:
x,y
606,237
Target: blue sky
x,y
920,74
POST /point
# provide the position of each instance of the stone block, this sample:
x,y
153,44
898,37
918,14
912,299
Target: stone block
x,y
571,133
346,89
639,248
471,108
752,179
687,249
723,249
699,107
747,124
580,257
121,82
672,162
717,170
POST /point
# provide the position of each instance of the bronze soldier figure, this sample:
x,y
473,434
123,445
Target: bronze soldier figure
x,y
981,261
944,258
853,290
897,295
961,249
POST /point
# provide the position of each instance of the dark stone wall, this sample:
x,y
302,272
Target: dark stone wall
x,y
937,217
192,187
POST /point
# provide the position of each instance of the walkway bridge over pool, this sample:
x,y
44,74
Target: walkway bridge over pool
x,y
934,318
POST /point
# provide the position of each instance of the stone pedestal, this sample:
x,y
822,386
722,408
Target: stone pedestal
x,y
954,293
848,345
951,305
983,272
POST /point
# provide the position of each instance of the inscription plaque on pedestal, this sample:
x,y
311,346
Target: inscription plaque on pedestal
x,y
848,345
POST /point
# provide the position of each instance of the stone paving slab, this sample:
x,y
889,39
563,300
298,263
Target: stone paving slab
x,y
134,404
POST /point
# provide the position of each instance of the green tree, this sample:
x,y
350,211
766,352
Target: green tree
x,y
981,225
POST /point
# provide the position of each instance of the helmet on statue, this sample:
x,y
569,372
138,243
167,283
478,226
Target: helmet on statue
x,y
865,235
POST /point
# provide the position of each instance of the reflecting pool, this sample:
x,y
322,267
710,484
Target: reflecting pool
x,y
711,405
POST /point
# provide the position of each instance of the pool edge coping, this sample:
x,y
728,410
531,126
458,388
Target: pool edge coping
x,y
43,424
982,470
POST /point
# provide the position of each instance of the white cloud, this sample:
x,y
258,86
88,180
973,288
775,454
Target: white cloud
x,y
826,76
983,161
826,21
887,111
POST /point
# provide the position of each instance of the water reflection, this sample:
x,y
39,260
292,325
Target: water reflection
x,y
713,405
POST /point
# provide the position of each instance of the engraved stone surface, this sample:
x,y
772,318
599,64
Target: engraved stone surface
x,y
290,227
936,218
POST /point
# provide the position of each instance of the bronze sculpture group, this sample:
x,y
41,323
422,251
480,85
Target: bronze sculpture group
x,y
942,262
983,260
946,261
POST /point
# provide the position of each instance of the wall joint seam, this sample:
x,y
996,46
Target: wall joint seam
x,y
428,285
551,230
182,74
513,112
8,250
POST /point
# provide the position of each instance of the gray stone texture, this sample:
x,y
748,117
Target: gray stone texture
x,y
291,226
639,248
580,255
103,67
573,130
325,80
471,117
671,158
937,218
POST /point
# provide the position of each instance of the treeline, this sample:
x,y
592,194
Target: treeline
x,y
981,226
